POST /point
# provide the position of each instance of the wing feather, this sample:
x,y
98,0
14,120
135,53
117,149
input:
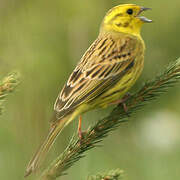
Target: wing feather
x,y
101,67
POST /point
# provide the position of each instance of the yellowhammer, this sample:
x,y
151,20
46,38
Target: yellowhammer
x,y
107,70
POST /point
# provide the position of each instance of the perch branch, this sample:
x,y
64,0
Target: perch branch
x,y
95,134
111,175
8,85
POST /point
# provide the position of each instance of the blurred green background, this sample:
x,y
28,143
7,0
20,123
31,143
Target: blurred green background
x,y
44,40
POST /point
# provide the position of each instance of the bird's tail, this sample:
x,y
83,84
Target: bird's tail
x,y
42,151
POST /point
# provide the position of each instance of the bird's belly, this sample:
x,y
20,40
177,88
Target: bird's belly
x,y
123,85
117,92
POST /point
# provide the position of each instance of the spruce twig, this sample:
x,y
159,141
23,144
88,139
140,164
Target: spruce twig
x,y
95,134
7,85
116,174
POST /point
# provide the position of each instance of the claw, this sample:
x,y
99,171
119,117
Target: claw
x,y
122,102
125,107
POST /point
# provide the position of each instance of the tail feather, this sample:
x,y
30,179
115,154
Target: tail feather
x,y
45,147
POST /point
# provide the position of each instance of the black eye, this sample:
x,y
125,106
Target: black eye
x,y
130,11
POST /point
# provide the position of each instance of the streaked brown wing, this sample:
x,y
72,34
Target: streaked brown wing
x,y
104,63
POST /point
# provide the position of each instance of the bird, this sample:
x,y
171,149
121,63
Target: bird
x,y
104,74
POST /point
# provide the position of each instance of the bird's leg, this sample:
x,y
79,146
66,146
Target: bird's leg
x,y
122,102
124,107
79,127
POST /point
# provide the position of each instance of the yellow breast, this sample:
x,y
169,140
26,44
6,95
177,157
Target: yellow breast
x,y
128,79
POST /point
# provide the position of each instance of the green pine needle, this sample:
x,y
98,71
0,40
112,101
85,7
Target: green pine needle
x,y
95,134
7,85
111,175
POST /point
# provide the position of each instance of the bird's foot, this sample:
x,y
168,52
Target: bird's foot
x,y
79,128
122,102
81,134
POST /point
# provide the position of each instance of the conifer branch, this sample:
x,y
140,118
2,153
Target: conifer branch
x,y
111,175
7,85
95,134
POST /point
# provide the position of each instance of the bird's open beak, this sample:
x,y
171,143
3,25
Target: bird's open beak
x,y
142,18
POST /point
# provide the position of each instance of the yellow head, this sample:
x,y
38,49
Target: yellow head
x,y
125,18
